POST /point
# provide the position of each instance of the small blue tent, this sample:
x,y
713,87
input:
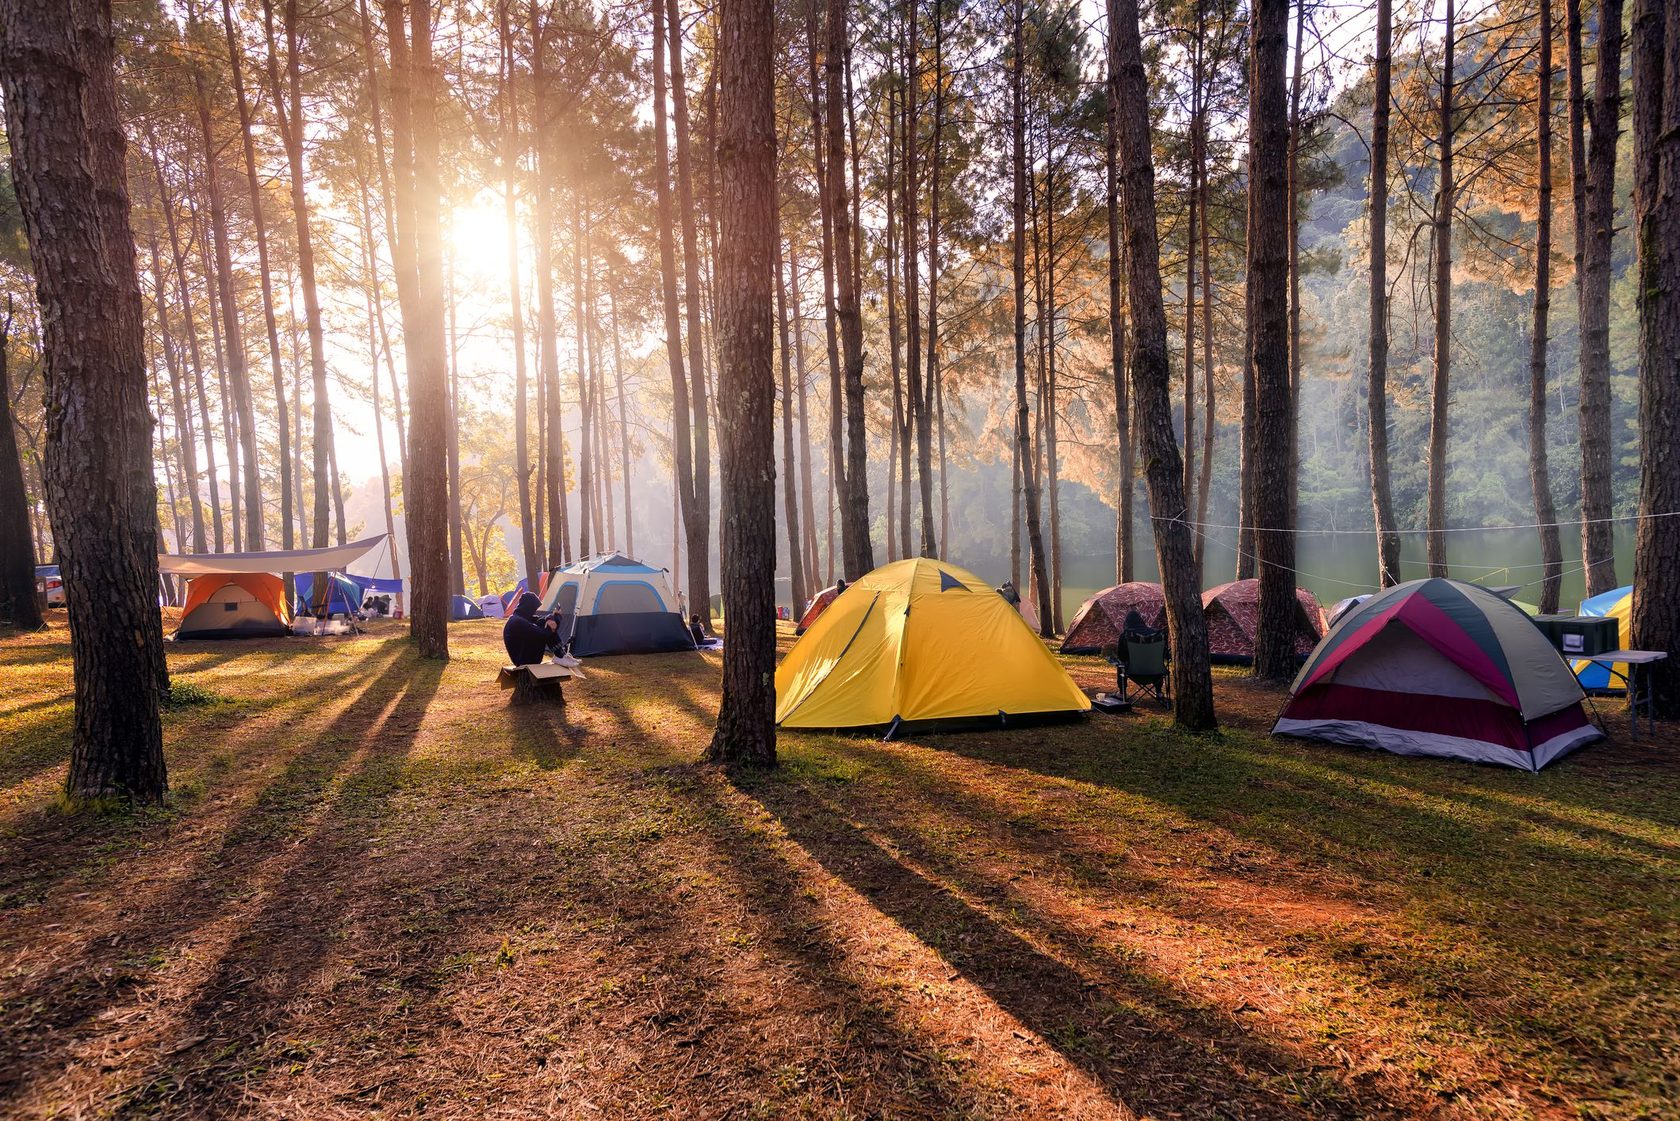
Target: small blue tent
x,y
344,594
460,607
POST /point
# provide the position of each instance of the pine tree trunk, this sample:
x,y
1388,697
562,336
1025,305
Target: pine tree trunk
x,y
1445,200
930,376
183,413
457,537
370,260
698,527
898,481
232,335
18,604
57,74
807,498
259,226
1209,415
1123,549
1598,551
1294,189
1023,421
217,529
288,111
848,288
1268,310
838,483
682,442
790,483
511,151
1382,495
623,417
579,316
1151,389
548,332
1190,246
418,198
746,730
1656,209
1539,473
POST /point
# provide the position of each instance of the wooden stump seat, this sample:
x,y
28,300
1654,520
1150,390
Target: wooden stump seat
x,y
535,684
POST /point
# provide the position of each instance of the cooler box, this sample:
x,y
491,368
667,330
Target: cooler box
x,y
1549,625
1587,636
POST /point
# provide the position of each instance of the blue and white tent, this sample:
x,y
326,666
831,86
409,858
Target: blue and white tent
x,y
613,604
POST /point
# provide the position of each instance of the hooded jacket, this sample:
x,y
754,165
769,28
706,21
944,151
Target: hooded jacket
x,y
524,634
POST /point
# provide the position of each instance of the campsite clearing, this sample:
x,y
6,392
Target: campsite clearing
x,y
379,889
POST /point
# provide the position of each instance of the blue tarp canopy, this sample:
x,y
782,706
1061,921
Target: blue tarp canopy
x,y
379,585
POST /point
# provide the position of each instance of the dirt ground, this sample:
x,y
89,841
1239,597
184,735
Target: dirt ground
x,y
379,891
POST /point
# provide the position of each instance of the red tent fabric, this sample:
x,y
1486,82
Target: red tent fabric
x,y
1101,617
819,603
1233,618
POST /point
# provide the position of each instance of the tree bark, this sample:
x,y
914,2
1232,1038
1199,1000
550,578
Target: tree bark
x,y
1268,310
807,501
1293,488
1445,200
511,150
183,412
623,416
1539,472
1598,550
1124,467
681,439
270,322
746,153
1376,388
218,534
419,205
898,481
930,376
288,112
57,73
1023,420
548,331
790,484
699,527
854,515
370,266
1151,388
1656,209
233,336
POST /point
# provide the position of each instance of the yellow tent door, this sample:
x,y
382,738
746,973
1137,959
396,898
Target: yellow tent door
x,y
919,640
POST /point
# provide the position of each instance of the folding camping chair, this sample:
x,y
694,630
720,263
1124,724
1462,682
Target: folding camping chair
x,y
1143,662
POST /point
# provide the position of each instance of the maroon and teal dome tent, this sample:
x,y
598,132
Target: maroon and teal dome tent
x,y
1438,667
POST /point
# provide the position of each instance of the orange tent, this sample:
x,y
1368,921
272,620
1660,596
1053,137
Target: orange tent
x,y
235,605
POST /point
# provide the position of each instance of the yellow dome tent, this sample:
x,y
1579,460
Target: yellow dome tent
x,y
915,641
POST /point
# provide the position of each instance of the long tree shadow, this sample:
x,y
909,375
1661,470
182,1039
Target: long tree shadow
x,y
266,963
1136,1035
119,954
876,1063
46,846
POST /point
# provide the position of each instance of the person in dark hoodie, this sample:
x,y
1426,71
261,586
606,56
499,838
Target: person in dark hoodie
x,y
528,635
